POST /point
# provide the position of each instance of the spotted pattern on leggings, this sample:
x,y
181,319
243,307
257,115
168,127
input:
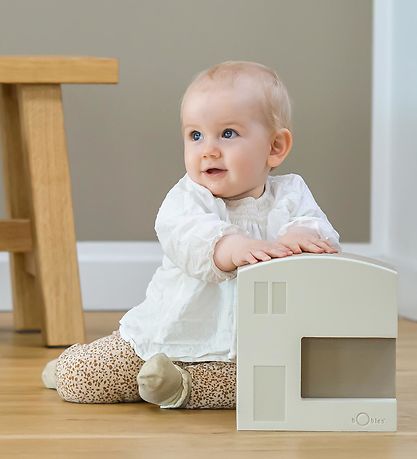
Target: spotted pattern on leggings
x,y
105,371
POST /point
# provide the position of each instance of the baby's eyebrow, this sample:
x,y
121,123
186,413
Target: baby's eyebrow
x,y
189,126
231,123
223,124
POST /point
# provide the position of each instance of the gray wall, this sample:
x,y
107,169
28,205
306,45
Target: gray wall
x,y
124,142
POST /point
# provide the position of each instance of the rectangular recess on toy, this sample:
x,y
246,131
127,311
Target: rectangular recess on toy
x,y
269,392
270,297
347,367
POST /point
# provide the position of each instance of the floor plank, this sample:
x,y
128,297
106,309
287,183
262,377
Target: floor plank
x,y
34,422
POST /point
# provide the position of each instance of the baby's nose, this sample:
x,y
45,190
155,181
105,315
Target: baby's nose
x,y
211,150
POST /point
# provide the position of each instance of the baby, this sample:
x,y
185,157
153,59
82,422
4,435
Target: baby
x,y
177,349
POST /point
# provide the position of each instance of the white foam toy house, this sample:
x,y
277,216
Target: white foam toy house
x,y
316,344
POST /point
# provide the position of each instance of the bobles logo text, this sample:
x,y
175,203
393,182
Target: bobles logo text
x,y
363,419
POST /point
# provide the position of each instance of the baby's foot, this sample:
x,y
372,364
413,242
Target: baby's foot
x,y
163,383
49,374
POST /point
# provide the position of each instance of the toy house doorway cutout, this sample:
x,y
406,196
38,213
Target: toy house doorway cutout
x,y
316,344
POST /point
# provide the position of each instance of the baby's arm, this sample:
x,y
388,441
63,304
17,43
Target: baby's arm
x,y
188,229
237,250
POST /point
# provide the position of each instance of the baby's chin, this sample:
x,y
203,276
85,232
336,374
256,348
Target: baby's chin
x,y
217,189
216,192
214,188
231,195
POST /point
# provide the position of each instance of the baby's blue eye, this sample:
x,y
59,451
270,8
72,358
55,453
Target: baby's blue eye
x,y
195,135
228,133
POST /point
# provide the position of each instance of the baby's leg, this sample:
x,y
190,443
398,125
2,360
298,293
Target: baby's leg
x,y
213,385
103,371
188,385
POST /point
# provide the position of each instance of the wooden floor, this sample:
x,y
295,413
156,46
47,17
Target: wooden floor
x,y
34,422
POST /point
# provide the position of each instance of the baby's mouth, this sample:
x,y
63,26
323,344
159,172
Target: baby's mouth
x,y
214,171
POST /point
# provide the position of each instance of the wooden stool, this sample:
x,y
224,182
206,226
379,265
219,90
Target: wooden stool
x,y
40,233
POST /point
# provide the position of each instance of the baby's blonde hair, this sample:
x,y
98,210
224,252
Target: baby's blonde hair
x,y
276,103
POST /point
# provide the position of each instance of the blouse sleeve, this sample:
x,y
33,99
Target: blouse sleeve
x,y
188,229
307,214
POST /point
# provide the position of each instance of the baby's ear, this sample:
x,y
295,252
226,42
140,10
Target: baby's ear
x,y
280,147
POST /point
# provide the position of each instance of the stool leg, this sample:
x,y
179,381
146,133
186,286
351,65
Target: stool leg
x,y
55,256
27,301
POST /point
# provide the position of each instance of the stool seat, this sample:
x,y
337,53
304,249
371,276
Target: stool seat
x,y
57,69
40,234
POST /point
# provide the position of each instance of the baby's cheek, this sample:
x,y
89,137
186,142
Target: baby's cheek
x,y
190,167
247,165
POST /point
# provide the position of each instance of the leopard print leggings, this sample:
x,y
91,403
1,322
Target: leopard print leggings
x,y
105,371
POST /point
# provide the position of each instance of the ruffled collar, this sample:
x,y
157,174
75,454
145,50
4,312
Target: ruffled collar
x,y
247,206
250,204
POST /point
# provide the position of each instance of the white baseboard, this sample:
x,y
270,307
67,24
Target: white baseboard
x,y
114,275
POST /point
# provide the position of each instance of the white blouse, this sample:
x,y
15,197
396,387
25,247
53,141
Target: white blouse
x,y
189,312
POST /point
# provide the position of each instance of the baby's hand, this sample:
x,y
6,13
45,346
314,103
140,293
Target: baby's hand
x,y
305,240
250,251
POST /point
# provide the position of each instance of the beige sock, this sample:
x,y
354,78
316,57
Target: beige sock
x,y
49,375
163,383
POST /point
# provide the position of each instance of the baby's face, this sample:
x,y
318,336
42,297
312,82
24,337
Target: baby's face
x,y
226,142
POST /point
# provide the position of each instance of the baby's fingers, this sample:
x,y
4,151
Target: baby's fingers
x,y
310,246
278,252
325,246
293,247
249,258
261,255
